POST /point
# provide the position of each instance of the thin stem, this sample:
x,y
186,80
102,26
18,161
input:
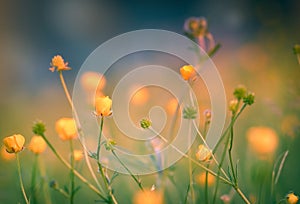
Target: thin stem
x,y
206,145
100,167
206,186
190,164
193,160
61,191
20,179
241,194
82,141
230,154
228,128
33,179
128,170
72,173
76,173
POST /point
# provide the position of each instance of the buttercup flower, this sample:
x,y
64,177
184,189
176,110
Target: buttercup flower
x,y
187,72
5,155
262,140
203,154
103,106
66,128
78,155
14,143
37,144
202,177
291,198
92,81
148,197
58,64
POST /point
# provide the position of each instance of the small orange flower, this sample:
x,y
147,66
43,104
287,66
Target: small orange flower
x,y
5,155
202,176
92,81
203,154
37,144
262,140
148,197
103,106
78,155
187,72
58,64
66,128
14,143
140,97
291,198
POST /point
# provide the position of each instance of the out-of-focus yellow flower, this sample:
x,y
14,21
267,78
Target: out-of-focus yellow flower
x,y
289,125
201,179
291,198
66,128
172,105
92,81
14,143
140,97
58,64
37,144
203,154
78,155
7,156
262,140
187,72
103,106
148,197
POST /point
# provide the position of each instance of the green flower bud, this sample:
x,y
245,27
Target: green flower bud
x,y
240,92
39,128
249,99
145,123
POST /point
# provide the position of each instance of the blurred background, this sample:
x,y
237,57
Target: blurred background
x,y
257,38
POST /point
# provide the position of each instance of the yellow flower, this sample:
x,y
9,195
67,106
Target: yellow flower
x,y
203,154
148,197
262,140
291,198
14,143
5,155
140,97
103,106
37,144
92,81
78,155
202,176
58,64
187,72
66,128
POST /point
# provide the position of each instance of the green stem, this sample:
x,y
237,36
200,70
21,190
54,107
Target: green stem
x,y
72,173
20,179
228,128
128,170
100,167
206,186
230,154
190,164
33,179
64,193
76,173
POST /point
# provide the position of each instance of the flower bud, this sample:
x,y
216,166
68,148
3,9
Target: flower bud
x,y
39,128
189,113
240,92
37,144
249,99
291,198
14,143
187,72
233,105
145,123
103,106
203,154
